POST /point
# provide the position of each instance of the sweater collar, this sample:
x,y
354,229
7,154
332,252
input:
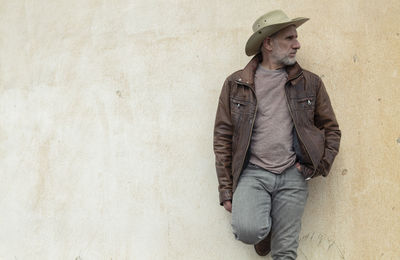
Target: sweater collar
x,y
247,75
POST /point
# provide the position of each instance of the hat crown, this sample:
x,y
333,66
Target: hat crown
x,y
273,17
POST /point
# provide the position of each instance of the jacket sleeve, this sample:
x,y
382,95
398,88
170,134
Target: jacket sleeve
x,y
325,119
223,132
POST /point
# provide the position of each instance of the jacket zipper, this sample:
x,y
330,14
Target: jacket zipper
x,y
252,125
295,126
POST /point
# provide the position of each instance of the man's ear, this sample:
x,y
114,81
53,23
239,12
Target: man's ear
x,y
267,43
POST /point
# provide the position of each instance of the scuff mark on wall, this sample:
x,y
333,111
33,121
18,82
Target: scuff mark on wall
x,y
314,245
119,94
43,172
355,58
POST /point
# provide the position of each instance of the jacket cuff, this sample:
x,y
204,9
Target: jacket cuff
x,y
224,195
310,173
320,170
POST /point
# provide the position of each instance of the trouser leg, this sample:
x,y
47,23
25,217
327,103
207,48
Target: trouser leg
x,y
288,202
251,206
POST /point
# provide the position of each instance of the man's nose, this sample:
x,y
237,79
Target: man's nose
x,y
296,45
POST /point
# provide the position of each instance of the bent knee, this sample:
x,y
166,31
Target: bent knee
x,y
250,234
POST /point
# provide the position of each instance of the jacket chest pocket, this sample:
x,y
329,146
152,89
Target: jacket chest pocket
x,y
241,112
304,108
241,107
306,103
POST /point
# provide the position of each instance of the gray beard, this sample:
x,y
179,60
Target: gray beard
x,y
288,61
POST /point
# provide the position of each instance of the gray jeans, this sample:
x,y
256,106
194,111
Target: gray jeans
x,y
264,202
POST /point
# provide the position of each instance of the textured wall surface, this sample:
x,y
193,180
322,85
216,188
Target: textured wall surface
x,y
107,111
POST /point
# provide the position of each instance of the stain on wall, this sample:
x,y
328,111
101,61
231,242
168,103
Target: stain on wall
x,y
107,111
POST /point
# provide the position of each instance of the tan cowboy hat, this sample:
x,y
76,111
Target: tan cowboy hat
x,y
267,25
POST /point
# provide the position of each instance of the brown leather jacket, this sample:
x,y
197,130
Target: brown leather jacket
x,y
316,132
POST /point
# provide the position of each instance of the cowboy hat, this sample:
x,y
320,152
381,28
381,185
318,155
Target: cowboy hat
x,y
267,25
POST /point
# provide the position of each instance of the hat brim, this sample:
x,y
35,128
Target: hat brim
x,y
255,40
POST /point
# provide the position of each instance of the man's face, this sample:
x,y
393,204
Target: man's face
x,y
284,46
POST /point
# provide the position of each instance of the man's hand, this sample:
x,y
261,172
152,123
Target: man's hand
x,y
298,166
228,205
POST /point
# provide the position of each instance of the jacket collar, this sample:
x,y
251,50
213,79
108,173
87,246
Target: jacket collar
x,y
247,75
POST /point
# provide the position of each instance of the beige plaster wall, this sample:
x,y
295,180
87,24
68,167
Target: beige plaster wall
x,y
107,111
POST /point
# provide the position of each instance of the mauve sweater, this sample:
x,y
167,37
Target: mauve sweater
x,y
272,140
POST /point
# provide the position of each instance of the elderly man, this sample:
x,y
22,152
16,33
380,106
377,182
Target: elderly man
x,y
274,130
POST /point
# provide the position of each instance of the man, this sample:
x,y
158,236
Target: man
x,y
274,130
